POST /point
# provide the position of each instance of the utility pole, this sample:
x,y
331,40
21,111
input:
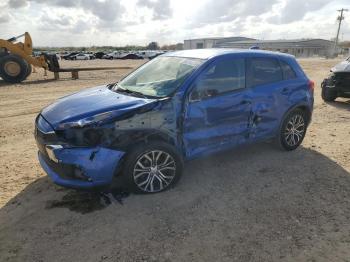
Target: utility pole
x,y
340,19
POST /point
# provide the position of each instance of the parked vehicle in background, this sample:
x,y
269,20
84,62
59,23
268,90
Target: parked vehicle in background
x,y
337,84
91,56
81,57
70,56
99,55
178,106
114,55
154,56
150,54
131,56
107,56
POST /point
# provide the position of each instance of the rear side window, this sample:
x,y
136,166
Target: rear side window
x,y
288,72
263,71
223,76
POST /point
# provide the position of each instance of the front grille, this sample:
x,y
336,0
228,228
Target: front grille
x,y
342,81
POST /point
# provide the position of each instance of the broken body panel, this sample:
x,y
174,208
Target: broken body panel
x,y
98,126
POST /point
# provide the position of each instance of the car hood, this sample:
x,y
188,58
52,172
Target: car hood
x,y
90,102
341,67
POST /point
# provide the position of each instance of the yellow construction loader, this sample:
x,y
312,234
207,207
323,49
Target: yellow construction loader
x,y
16,61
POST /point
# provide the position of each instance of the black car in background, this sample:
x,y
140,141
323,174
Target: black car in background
x,y
70,56
131,56
99,55
337,84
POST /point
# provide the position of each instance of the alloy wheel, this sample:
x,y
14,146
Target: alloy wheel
x,y
154,171
295,130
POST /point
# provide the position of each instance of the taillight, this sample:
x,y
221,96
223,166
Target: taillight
x,y
311,85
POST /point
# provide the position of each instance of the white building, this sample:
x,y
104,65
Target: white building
x,y
297,47
210,42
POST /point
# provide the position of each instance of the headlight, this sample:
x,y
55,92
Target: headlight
x,y
87,121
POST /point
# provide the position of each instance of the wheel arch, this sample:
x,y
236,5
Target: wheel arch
x,y
120,173
304,107
307,112
145,136
133,139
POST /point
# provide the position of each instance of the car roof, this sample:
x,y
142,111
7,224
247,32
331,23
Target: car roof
x,y
214,52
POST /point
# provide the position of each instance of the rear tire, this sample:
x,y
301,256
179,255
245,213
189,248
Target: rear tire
x,y
292,130
328,95
152,167
29,71
13,68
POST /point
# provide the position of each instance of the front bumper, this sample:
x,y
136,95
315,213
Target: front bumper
x,y
83,168
339,82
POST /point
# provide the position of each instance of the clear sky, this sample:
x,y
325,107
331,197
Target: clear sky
x,y
121,22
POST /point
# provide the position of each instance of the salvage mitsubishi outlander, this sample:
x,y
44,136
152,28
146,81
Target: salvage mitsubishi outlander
x,y
176,107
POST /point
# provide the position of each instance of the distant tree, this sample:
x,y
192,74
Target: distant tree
x,y
153,46
179,46
166,47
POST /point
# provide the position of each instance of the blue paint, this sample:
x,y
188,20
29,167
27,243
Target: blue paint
x,y
99,170
196,128
90,102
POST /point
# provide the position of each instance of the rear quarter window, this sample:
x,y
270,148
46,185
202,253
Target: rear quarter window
x,y
263,71
288,72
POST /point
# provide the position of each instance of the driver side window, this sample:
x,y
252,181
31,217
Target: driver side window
x,y
223,76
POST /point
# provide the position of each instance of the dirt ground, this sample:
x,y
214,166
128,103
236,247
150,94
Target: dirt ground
x,y
254,203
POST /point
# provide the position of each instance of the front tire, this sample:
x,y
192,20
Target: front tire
x,y
13,68
328,95
152,167
29,70
293,130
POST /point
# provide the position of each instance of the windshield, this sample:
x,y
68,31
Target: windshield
x,y
160,77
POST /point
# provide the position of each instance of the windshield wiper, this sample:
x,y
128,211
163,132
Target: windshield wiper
x,y
121,89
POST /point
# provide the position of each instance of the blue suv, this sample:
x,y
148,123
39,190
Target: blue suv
x,y
176,107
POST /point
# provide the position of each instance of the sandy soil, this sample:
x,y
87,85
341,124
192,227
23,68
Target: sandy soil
x,y
255,203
